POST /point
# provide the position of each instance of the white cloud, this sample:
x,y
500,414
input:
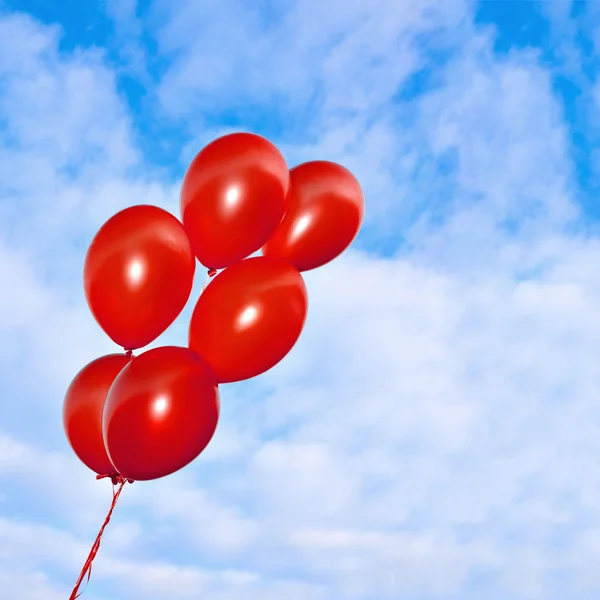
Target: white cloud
x,y
355,53
68,152
352,60
128,33
325,73
436,422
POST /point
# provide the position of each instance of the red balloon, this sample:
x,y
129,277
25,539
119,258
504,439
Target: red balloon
x,y
160,413
138,274
325,212
82,411
233,197
249,317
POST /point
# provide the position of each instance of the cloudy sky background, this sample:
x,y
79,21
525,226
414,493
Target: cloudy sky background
x,y
436,431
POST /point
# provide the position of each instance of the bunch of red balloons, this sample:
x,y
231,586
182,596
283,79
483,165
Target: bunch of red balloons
x,y
147,416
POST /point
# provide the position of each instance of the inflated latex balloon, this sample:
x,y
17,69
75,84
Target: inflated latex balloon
x,y
249,317
160,413
82,411
138,274
325,212
233,197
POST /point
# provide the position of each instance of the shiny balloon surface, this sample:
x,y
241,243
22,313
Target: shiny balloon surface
x,y
82,410
160,413
324,215
233,197
138,274
249,317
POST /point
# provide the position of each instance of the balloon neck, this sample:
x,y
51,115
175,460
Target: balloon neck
x,y
116,478
212,272
128,352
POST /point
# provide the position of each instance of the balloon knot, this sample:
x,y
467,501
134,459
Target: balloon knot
x,y
116,478
128,352
212,272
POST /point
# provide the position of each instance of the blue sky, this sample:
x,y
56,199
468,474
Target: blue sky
x,y
435,432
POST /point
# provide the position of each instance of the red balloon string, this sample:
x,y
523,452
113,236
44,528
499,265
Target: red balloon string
x,y
117,480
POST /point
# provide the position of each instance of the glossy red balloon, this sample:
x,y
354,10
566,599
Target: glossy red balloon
x,y
82,411
233,197
249,317
160,413
325,212
138,274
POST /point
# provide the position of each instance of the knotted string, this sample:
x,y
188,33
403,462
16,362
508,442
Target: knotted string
x,y
117,480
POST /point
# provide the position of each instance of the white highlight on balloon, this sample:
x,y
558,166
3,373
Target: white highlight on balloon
x,y
301,226
232,196
248,316
160,406
136,271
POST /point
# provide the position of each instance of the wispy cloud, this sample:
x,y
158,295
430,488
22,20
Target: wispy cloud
x,y
435,431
